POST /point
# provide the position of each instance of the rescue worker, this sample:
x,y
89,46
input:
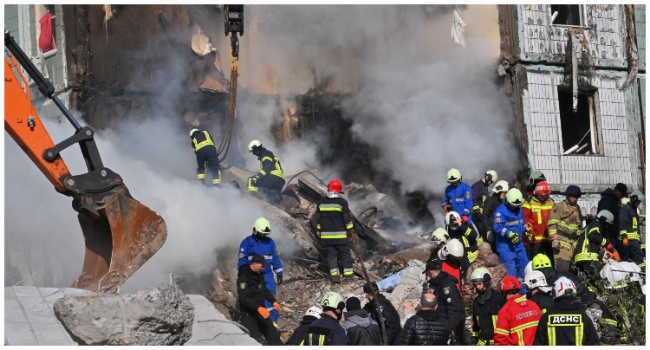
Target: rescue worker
x,y
629,228
361,329
299,335
612,200
566,323
453,259
535,177
480,192
509,228
327,330
444,286
491,204
486,259
335,228
392,322
260,243
458,196
517,319
537,211
428,326
439,237
251,295
591,241
206,152
271,177
538,290
464,233
485,307
564,227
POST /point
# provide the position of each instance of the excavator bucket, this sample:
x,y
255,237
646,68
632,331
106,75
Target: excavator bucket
x,y
120,235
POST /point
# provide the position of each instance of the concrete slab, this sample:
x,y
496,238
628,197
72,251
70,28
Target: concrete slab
x,y
30,319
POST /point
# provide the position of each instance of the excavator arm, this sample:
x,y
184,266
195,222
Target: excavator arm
x,y
120,233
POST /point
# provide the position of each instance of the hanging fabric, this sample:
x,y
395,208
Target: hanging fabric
x,y
46,40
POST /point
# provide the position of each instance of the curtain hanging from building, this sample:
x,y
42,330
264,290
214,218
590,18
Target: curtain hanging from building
x,y
46,40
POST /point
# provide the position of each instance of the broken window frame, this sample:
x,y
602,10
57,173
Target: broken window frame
x,y
582,16
594,145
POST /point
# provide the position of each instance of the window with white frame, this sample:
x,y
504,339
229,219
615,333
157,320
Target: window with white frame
x,y
579,127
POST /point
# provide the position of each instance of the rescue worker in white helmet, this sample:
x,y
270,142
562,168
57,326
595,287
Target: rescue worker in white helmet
x,y
566,323
509,228
464,233
270,177
327,330
458,196
498,196
485,307
480,193
590,242
454,261
538,290
206,152
300,333
439,237
261,244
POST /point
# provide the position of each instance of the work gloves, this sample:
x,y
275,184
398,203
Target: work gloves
x,y
513,237
351,235
464,219
263,312
447,208
625,240
279,279
609,247
277,307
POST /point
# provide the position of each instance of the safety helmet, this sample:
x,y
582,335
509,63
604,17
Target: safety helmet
x,y
500,186
541,261
452,218
536,279
335,186
333,300
454,175
439,235
625,200
618,273
493,175
253,144
536,176
542,188
509,284
262,226
609,217
314,311
573,190
637,195
529,267
514,197
481,275
563,286
193,131
453,248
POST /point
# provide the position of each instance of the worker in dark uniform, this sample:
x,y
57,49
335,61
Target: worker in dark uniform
x,y
251,293
480,194
271,177
611,200
491,204
205,151
466,234
566,323
300,333
450,303
327,330
590,242
334,228
388,312
485,307
629,228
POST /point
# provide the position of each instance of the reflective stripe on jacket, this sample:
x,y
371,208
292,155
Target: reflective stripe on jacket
x,y
537,215
201,139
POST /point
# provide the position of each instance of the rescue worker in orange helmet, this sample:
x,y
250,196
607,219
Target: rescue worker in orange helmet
x,y
537,211
517,319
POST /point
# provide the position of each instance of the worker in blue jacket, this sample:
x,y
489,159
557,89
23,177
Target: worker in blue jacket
x,y
458,196
509,227
260,243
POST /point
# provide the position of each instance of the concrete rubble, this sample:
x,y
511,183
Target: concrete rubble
x,y
162,315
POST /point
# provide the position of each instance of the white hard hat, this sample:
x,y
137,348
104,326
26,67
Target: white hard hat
x,y
529,268
314,311
254,143
500,186
536,279
193,131
563,286
449,216
453,248
439,235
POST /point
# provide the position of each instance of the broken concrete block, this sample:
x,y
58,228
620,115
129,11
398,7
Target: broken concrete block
x,y
162,315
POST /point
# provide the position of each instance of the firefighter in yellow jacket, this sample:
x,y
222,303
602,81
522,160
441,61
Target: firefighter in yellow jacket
x,y
564,227
206,152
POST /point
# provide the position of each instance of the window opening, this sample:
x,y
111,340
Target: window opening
x,y
579,129
567,15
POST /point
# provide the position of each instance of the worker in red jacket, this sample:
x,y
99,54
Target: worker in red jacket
x,y
517,320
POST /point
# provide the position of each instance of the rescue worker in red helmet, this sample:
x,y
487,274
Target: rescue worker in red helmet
x,y
335,228
517,319
537,211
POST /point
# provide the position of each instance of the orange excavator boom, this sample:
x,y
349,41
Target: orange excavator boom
x,y
120,233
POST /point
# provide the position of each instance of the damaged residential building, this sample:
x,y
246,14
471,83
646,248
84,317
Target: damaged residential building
x,y
577,78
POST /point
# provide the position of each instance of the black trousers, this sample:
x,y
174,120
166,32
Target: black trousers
x,y
335,251
636,255
209,154
261,328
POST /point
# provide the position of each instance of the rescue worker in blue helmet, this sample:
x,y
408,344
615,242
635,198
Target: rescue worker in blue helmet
x,y
458,196
206,152
509,227
259,243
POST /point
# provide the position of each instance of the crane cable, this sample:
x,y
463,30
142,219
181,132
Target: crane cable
x,y
224,145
